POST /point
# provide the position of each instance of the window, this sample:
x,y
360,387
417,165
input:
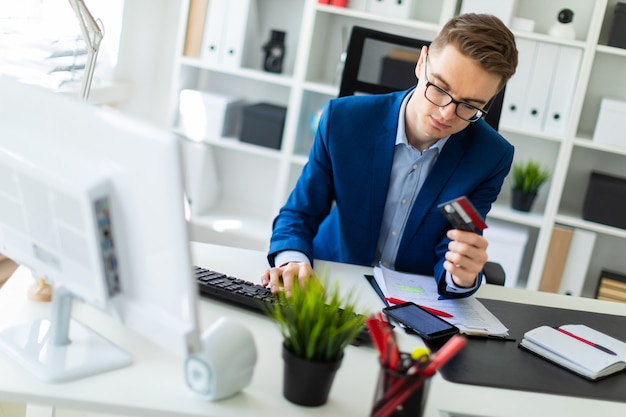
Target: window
x,y
41,41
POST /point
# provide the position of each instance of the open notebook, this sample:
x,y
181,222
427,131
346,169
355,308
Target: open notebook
x,y
468,314
579,348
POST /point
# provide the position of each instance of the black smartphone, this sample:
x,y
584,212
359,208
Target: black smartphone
x,y
420,321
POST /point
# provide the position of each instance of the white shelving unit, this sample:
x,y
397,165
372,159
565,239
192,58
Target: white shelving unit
x,y
255,181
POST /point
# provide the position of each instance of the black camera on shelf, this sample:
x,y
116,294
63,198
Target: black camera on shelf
x,y
274,52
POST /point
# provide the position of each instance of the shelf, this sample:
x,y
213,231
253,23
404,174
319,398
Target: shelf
x,y
588,143
502,212
237,145
575,221
611,50
229,225
247,73
504,130
362,15
548,39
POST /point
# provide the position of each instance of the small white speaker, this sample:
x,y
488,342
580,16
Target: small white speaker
x,y
225,364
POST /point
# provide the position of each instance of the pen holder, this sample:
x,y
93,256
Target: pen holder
x,y
399,394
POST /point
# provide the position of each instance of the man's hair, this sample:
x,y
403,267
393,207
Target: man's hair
x,y
483,38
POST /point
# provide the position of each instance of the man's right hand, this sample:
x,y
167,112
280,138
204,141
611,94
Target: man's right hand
x,y
282,277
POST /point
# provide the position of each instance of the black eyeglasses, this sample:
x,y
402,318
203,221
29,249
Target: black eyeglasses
x,y
441,98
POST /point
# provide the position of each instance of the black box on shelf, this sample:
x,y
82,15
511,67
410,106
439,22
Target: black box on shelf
x,y
605,201
617,37
262,124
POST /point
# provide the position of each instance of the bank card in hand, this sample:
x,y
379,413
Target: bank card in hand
x,y
462,215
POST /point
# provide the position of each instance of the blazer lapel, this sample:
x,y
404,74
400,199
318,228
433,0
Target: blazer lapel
x,y
384,146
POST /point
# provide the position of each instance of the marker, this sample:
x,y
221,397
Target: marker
x,y
429,309
589,342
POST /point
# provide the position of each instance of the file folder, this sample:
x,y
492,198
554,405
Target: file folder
x,y
517,87
577,263
236,31
213,31
562,91
228,28
539,87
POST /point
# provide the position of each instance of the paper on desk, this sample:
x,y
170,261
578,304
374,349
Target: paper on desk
x,y
469,314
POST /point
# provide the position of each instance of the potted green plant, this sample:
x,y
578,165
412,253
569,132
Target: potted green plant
x,y
527,179
317,324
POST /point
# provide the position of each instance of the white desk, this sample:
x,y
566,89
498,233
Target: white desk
x,y
154,385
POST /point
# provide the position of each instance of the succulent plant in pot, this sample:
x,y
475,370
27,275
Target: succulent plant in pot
x,y
528,177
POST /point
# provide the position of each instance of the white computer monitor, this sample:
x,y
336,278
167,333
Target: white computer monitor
x,y
93,202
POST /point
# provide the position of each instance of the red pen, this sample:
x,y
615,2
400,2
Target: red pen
x,y
589,342
429,309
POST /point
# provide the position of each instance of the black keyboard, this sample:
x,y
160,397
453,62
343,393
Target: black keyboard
x,y
233,290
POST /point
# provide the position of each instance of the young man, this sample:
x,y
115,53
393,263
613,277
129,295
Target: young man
x,y
381,164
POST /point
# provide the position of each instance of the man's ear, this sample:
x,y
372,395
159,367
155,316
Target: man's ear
x,y
420,61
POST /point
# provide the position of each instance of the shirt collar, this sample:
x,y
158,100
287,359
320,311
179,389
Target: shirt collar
x,y
401,138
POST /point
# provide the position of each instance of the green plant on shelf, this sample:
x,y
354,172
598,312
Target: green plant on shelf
x,y
529,176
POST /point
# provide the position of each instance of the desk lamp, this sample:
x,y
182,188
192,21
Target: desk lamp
x,y
93,32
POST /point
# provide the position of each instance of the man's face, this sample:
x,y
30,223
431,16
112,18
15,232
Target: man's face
x,y
462,78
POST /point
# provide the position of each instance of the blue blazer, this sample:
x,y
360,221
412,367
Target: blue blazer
x,y
335,211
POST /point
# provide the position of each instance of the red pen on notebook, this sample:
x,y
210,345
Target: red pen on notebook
x,y
589,342
429,309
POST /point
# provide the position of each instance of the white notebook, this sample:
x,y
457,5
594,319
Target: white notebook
x,y
565,348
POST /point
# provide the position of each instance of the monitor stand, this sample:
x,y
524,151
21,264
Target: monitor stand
x,y
61,349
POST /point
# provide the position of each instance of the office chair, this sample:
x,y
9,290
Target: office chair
x,y
380,62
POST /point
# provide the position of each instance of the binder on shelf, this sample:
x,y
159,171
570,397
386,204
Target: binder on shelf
x,y
539,96
238,26
555,259
392,8
539,86
195,28
228,28
213,31
517,87
562,91
577,263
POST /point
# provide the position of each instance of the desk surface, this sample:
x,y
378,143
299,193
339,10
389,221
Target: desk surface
x,y
505,365
154,384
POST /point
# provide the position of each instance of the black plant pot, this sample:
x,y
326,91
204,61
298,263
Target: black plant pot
x,y
307,382
522,200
